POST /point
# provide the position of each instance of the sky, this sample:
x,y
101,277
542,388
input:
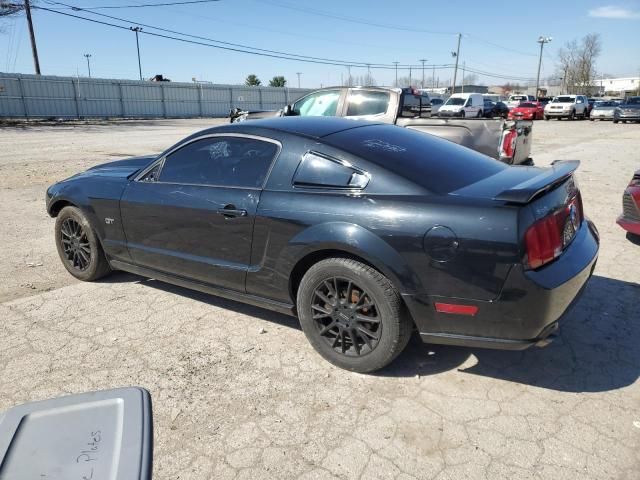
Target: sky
x,y
498,37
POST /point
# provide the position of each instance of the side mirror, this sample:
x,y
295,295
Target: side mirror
x,y
286,111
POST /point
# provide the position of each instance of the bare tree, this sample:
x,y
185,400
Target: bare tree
x,y
470,79
577,64
365,80
9,8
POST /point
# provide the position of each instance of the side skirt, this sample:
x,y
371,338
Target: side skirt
x,y
286,308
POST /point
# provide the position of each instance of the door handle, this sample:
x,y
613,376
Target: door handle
x,y
230,211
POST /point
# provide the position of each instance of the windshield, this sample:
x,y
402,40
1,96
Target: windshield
x,y
633,101
456,101
514,98
564,100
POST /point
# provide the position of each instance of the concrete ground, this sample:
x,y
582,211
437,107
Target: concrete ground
x,y
238,392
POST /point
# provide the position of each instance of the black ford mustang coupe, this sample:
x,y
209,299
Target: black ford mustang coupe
x,y
362,230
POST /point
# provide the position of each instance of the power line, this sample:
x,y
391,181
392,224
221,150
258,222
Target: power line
x,y
276,52
143,5
243,48
321,13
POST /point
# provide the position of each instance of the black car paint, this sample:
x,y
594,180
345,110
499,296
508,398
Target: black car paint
x,y
176,233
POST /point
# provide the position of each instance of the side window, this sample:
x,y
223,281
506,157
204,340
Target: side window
x,y
319,104
363,102
316,170
152,175
221,161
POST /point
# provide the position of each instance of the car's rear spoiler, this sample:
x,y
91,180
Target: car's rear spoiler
x,y
526,191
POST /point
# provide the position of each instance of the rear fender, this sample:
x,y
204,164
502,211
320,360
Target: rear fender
x,y
355,240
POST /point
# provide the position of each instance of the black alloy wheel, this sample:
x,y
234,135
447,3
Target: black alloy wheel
x,y
352,314
75,244
78,246
346,317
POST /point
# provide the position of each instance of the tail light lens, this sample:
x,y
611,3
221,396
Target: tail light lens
x,y
509,143
547,238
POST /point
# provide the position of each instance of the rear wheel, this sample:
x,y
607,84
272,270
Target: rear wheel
x,y
352,315
615,121
479,114
78,246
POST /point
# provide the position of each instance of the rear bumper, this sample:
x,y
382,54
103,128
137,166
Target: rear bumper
x,y
527,311
630,218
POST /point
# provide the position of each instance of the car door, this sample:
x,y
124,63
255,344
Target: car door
x,y
371,104
191,214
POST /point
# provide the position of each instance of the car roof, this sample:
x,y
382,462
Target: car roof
x,y
315,127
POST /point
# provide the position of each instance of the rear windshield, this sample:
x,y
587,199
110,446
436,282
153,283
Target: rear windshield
x,y
605,104
455,101
436,164
633,101
518,97
527,105
564,100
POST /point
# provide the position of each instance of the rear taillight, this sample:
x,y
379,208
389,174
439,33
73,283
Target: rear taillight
x,y
548,237
508,146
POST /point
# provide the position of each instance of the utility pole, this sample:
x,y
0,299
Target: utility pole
x,y
368,82
433,77
34,48
462,86
298,73
396,83
422,60
138,30
88,56
541,40
410,76
455,71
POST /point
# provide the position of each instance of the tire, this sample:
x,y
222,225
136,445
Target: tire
x,y
479,115
591,119
78,246
572,116
547,118
329,323
463,114
616,121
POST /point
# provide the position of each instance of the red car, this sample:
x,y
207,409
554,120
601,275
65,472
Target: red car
x,y
630,218
527,111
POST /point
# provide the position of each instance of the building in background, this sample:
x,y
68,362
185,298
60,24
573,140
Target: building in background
x,y
619,86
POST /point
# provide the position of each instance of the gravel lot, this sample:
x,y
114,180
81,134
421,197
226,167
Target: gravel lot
x,y
239,394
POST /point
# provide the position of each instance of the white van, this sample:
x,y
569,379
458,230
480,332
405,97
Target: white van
x,y
463,105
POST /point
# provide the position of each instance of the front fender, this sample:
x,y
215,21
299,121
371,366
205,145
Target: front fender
x,y
355,240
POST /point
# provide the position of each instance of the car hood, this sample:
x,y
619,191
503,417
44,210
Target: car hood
x,y
120,168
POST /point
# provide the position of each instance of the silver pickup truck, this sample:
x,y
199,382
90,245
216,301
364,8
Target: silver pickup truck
x,y
508,141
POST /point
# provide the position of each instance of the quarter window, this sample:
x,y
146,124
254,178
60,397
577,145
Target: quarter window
x,y
221,161
319,104
319,171
363,102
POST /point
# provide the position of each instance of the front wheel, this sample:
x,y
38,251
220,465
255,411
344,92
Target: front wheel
x,y
616,121
479,114
352,315
78,246
547,117
572,116
462,115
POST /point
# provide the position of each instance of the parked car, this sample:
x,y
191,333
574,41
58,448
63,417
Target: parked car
x,y
509,142
527,111
515,100
629,111
630,218
603,110
361,229
567,106
463,105
495,109
436,103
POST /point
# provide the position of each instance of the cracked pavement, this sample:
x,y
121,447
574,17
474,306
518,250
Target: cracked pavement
x,y
237,391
